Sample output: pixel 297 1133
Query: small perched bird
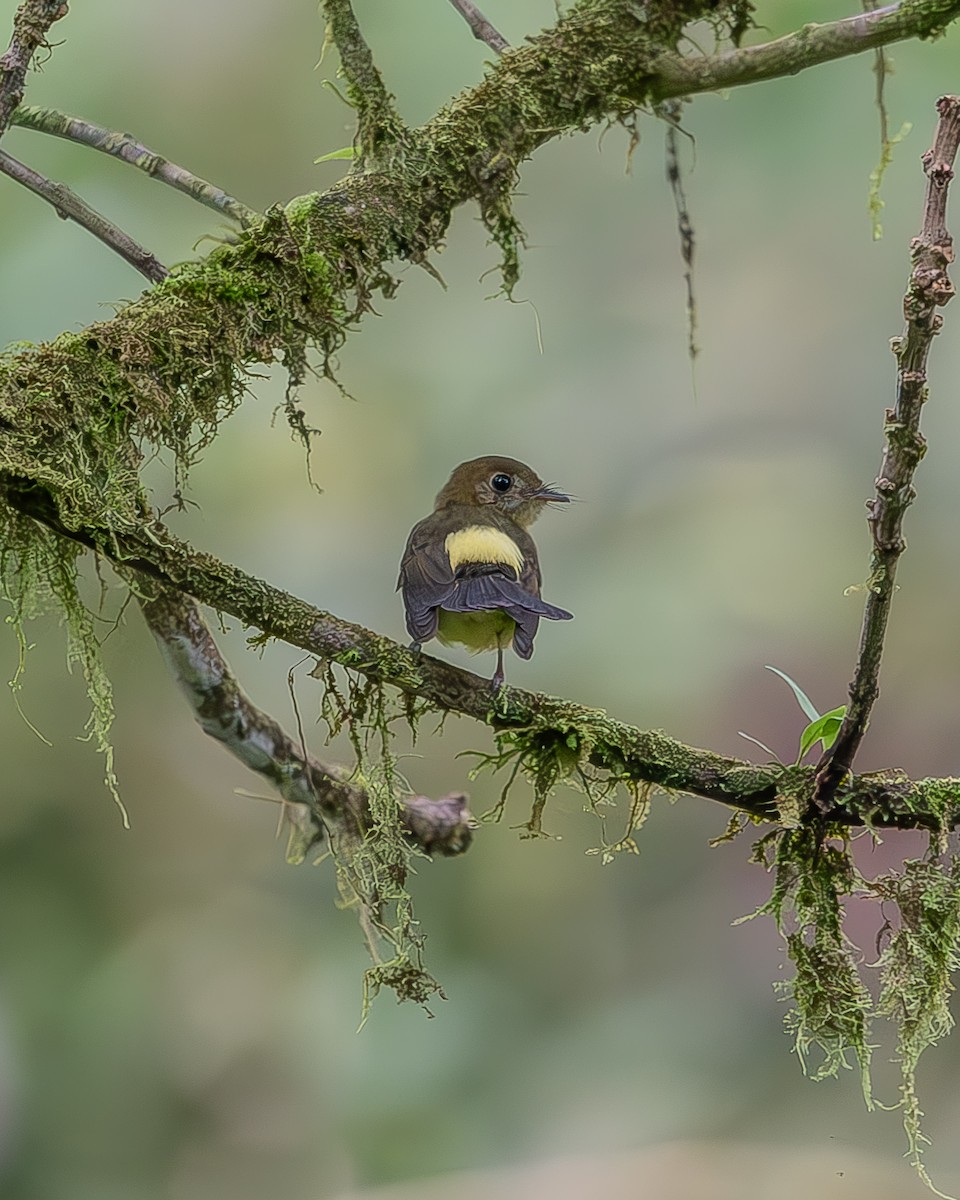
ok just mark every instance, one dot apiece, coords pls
pixel 470 572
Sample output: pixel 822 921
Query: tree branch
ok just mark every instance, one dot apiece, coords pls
pixel 379 123
pixel 543 725
pixel 170 365
pixel 483 31
pixel 129 150
pixel 322 800
pixel 69 206
pixel 927 288
pixel 811 46
pixel 31 23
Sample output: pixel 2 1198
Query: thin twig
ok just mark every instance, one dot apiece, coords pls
pixel 678 75
pixel 927 288
pixel 31 24
pixel 320 794
pixel 71 207
pixel 642 756
pixel 483 31
pixel 125 147
pixel 670 110
pixel 379 123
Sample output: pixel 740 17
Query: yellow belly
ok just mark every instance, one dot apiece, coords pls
pixel 476 630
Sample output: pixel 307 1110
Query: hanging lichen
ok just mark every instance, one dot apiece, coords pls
pixel 373 865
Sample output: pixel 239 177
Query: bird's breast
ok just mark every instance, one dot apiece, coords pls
pixel 482 544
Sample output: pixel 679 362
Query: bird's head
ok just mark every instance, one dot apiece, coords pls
pixel 506 484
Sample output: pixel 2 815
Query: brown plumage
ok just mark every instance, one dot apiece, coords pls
pixel 470 572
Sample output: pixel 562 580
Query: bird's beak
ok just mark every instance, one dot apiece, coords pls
pixel 549 494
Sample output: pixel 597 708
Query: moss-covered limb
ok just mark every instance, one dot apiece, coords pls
pixel 171 365
pixel 928 288
pixel 810 46
pixel 31 24
pixel 320 798
pixel 126 148
pixel 379 123
pixel 555 735
pixel 69 206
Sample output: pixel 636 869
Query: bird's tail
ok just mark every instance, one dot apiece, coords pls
pixel 483 592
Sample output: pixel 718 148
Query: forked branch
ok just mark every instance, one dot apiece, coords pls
pixel 31 24
pixel 321 801
pixel 928 288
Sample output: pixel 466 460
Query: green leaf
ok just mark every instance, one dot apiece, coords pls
pixel 802 698
pixel 346 152
pixel 823 729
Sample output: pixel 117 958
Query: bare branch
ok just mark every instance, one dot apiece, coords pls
pixel 129 150
pixel 31 24
pixel 927 288
pixel 321 796
pixel 70 207
pixel 483 31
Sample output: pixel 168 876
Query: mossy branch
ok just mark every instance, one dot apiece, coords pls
pixel 320 800
pixel 541 728
pixel 169 366
pixel 380 125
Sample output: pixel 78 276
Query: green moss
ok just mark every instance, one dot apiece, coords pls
pixel 39 575
pixel 916 967
pixel 372 868
pixel 830 1005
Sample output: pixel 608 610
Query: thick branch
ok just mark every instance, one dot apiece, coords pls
pixel 546 723
pixel 483 31
pixel 129 150
pixel 70 207
pixel 31 23
pixel 300 275
pixel 927 288
pixel 321 795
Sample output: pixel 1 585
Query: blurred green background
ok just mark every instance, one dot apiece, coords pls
pixel 178 1008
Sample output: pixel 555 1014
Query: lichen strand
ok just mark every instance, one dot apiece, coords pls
pixel 915 969
pixel 372 870
pixel 832 1008
pixel 39 575
pixel 831 1005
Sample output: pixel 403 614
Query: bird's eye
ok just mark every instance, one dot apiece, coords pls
pixel 501 483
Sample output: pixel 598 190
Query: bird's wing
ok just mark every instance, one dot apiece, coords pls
pixel 429 583
pixel 426 581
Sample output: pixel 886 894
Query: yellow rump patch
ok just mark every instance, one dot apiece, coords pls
pixel 482 544
pixel 476 630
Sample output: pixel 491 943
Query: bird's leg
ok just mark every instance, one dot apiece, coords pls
pixel 415 647
pixel 497 681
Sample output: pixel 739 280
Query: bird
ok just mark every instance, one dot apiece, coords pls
pixel 470 572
